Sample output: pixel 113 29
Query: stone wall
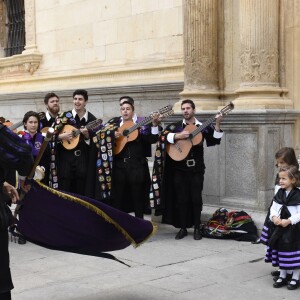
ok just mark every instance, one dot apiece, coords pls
pixel 103 102
pixel 95 44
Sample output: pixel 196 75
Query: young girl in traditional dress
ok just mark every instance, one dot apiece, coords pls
pixel 284 157
pixel 282 232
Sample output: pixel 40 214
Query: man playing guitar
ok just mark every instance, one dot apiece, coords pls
pixel 130 178
pixel 73 164
pixel 182 184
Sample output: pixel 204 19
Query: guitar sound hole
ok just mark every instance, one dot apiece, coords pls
pixel 126 132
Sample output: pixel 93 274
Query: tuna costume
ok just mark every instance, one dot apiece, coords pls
pixel 74 223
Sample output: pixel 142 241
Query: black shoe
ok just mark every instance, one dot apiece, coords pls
pixel 288 276
pixel 282 282
pixel 197 234
pixel 293 286
pixel 181 234
pixel 21 240
pixel 275 273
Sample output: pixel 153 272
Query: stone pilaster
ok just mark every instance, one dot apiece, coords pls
pixel 259 37
pixel 31 46
pixel 200 53
pixel 2 28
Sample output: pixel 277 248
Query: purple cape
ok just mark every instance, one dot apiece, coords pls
pixel 73 223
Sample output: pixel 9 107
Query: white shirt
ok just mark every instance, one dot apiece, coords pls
pixel 48 116
pixel 294 211
pixel 85 116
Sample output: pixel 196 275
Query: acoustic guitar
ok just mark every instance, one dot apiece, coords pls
pixel 181 148
pixel 129 129
pixel 69 145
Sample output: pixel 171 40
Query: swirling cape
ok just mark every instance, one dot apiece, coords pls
pixel 73 223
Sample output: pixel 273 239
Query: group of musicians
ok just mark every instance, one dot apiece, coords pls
pixel 108 162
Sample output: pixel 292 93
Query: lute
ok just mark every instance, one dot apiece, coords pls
pixel 69 145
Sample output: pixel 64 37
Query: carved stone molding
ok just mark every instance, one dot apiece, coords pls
pixel 257 68
pixel 31 67
pixel 108 77
pixel 259 56
pixel 259 23
pixel 20 64
pixel 201 74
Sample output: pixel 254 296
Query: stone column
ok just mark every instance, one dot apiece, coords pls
pixel 30 29
pixel 200 53
pixel 2 28
pixel 259 36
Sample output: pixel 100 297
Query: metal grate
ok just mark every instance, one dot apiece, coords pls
pixel 15 27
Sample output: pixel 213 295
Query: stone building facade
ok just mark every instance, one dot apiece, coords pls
pixel 161 51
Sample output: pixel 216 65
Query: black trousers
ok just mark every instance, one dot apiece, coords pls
pixel 188 188
pixel 72 170
pixel 130 185
pixel 5 277
pixel 5 296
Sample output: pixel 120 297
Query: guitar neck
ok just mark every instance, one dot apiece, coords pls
pixel 204 125
pixel 16 125
pixel 87 126
pixel 20 123
pixel 92 124
pixel 146 121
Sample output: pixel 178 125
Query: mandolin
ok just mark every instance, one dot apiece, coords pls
pixel 181 148
pixel 129 129
pixel 69 145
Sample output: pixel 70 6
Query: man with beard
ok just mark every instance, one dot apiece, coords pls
pixel 51 101
pixel 180 195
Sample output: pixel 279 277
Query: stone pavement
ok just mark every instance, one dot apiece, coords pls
pixel 161 268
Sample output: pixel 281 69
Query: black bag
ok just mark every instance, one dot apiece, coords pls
pixel 6 217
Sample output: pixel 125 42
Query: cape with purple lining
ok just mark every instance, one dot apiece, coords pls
pixel 73 223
